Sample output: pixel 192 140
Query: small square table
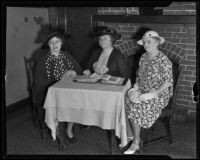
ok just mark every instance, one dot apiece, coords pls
pixel 93 104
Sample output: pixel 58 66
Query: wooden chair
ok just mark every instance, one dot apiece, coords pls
pixel 36 112
pixel 30 65
pixel 166 115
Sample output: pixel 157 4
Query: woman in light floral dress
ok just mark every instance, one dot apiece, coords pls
pixel 152 90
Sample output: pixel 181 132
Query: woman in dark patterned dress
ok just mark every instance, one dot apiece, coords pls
pixel 50 68
pixel 152 90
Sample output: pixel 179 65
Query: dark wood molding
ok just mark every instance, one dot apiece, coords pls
pixel 164 19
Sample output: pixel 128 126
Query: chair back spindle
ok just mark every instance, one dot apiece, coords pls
pixel 30 66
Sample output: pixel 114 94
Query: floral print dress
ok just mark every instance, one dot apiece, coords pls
pixel 152 74
pixel 49 69
pixel 57 66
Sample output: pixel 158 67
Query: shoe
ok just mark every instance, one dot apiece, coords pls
pixel 45 135
pixel 133 148
pixel 62 143
pixel 83 127
pixel 71 140
pixel 129 139
pixel 43 131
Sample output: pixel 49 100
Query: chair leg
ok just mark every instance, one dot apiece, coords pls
pixel 141 146
pixel 43 127
pixel 42 130
pixel 35 117
pixel 112 139
pixel 153 128
pixel 141 140
pixel 168 129
pixel 60 134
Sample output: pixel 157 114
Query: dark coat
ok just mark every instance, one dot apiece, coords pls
pixel 117 64
pixel 41 82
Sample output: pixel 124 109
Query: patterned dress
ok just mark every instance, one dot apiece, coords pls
pixel 49 69
pixel 57 66
pixel 152 74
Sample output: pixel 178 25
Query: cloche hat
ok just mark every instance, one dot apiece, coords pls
pixel 151 34
pixel 103 30
pixel 96 30
pixel 55 33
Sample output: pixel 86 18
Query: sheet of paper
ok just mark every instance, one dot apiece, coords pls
pixel 113 80
pixel 95 76
pixel 84 78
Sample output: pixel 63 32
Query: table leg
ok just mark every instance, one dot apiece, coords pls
pixel 113 142
pixel 60 135
pixel 112 139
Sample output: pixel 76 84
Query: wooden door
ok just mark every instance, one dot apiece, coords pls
pixel 78 22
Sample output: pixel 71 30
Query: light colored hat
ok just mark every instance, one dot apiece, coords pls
pixel 150 34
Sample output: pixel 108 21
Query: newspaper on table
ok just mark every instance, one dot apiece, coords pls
pixel 94 78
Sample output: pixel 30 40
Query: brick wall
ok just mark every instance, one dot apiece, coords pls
pixel 183 35
pixel 175 8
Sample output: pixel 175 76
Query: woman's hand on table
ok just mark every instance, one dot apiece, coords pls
pixel 69 73
pixel 87 72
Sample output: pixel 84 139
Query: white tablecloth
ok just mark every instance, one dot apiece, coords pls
pixel 89 104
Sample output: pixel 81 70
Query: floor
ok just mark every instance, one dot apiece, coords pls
pixel 24 139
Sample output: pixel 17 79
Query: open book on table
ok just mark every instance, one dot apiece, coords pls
pixel 107 79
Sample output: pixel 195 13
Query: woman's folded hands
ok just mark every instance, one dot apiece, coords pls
pixel 148 96
pixel 136 97
pixel 134 94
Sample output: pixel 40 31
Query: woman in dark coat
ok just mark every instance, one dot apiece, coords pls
pixel 107 59
pixel 50 68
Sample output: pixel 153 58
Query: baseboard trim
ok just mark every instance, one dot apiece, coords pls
pixel 191 115
pixel 183 115
pixel 17 106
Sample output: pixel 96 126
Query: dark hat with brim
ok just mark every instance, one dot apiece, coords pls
pixel 96 30
pixel 103 30
pixel 57 34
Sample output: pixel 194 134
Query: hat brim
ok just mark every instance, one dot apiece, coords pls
pixel 64 37
pixel 116 36
pixel 96 30
pixel 140 42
